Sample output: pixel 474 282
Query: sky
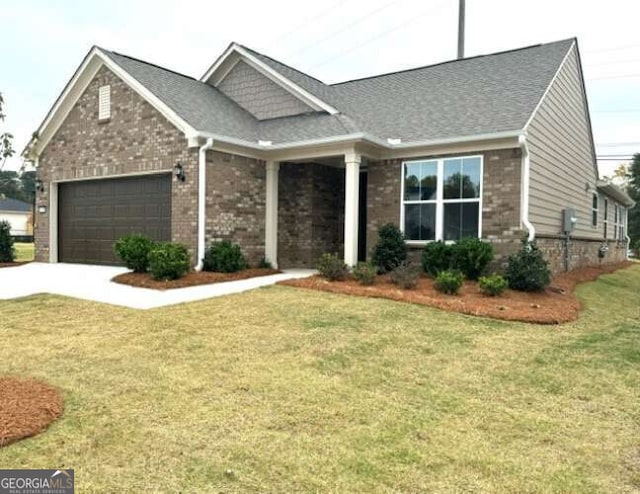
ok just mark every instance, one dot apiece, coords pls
pixel 43 42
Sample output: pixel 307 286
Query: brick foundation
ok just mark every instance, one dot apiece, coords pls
pixel 582 252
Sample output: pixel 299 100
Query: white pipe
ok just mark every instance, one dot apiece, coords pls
pixel 202 191
pixel 526 166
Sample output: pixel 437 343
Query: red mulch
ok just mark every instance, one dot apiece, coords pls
pixel 557 304
pixel 27 407
pixel 12 264
pixel 193 278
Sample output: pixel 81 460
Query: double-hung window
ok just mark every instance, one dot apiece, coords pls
pixel 615 222
pixel 442 198
pixel 605 221
pixel 594 209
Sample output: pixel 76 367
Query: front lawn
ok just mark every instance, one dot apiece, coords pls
pixel 288 390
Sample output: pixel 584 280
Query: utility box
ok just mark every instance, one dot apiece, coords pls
pixel 569 220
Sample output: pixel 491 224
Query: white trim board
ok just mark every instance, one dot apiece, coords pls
pixel 77 85
pixel 225 64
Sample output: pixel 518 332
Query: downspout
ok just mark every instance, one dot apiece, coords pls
pixel 526 168
pixel 202 202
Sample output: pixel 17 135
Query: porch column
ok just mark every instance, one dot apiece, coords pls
pixel 351 198
pixel 271 214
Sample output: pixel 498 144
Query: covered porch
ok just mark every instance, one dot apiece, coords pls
pixel 316 205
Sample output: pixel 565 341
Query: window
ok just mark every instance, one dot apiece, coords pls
pixel 621 224
pixel 442 199
pixel 615 221
pixel 594 210
pixel 104 103
pixel 606 217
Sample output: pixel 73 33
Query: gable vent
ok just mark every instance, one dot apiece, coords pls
pixel 104 103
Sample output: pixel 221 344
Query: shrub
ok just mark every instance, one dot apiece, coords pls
pixel 133 250
pixel 224 257
pixel 436 257
pixel 471 256
pixel 449 281
pixel 365 273
pixel 168 261
pixel 264 264
pixel 332 267
pixel 492 285
pixel 391 249
pixel 527 270
pixel 405 276
pixel 7 250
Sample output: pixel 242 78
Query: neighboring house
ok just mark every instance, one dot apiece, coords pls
pixel 19 214
pixel 494 146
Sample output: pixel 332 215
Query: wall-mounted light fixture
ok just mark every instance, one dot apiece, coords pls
pixel 178 171
pixel 39 185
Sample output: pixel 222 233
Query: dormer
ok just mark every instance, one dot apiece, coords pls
pixel 259 88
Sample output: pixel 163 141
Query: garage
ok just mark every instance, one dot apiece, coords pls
pixel 93 214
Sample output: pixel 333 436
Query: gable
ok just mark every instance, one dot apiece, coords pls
pixel 259 95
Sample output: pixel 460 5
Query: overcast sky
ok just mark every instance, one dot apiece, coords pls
pixel 43 42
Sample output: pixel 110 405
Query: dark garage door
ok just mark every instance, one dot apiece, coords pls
pixel 93 214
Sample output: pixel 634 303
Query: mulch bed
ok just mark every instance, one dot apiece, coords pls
pixel 193 278
pixel 557 304
pixel 27 407
pixel 12 264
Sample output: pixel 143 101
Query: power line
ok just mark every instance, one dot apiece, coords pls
pixel 382 34
pixel 616 111
pixel 616 144
pixel 308 21
pixel 624 76
pixel 343 28
pixel 613 48
pixel 613 62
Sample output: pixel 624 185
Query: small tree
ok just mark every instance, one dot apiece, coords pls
pixel 391 249
pixel 6 139
pixel 7 250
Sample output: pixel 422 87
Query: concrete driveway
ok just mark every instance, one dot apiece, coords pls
pixel 94 283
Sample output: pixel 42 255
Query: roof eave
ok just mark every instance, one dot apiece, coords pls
pixel 615 192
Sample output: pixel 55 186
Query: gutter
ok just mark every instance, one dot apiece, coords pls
pixel 202 190
pixel 524 192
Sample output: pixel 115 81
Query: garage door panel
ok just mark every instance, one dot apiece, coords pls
pixel 92 215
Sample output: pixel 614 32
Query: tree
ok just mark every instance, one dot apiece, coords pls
pixel 6 139
pixel 633 189
pixel 19 186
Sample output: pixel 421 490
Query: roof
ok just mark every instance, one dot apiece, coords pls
pixel 14 205
pixel 615 192
pixel 472 96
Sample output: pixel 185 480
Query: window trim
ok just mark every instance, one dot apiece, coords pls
pixel 104 103
pixel 605 221
pixel 440 201
pixel 595 211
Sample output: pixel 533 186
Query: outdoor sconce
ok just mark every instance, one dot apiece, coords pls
pixel 178 171
pixel 39 185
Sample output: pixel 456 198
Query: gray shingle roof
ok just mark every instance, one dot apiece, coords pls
pixel 8 204
pixel 473 96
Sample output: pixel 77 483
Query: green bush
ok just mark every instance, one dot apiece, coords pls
pixel 133 250
pixel 492 285
pixel 168 261
pixel 365 273
pixel 449 281
pixel 332 267
pixel 391 249
pixel 405 276
pixel 224 257
pixel 527 270
pixel 7 250
pixel 264 264
pixel 471 256
pixel 436 257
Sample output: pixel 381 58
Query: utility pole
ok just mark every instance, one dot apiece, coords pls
pixel 461 29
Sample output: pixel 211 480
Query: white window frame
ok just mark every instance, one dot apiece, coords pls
pixel 104 102
pixel 440 201
pixel 595 210
pixel 605 221
pixel 616 221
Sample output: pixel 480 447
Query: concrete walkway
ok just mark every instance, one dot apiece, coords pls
pixel 94 283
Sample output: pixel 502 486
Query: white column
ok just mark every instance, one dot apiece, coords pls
pixel 351 199
pixel 271 217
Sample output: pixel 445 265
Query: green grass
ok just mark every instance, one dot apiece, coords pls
pixel 300 391
pixel 24 252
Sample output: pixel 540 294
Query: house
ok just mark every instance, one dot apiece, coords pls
pixel 497 146
pixel 19 214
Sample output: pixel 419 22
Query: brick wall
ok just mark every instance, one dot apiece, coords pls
pixel 136 139
pixel 236 188
pixel 310 213
pixel 582 252
pixel 500 204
